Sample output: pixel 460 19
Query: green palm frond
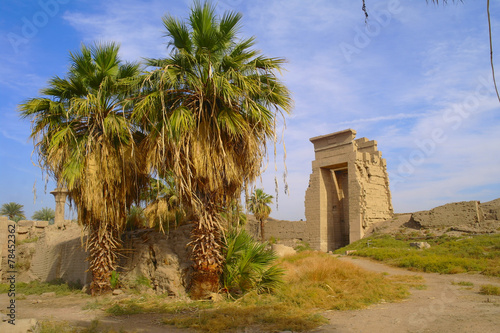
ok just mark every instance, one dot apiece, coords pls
pixel 45 214
pixel 13 211
pixel 249 265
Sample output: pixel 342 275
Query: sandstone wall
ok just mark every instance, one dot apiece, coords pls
pixel 60 254
pixel 5 225
pixel 287 232
pixel 452 214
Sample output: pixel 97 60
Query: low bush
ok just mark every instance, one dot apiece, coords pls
pixel 249 265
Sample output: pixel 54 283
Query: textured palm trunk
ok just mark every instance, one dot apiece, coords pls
pixel 207 257
pixel 103 249
pixel 262 237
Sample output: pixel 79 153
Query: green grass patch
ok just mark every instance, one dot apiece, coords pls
pixel 449 255
pixel 489 289
pixel 28 240
pixel 37 288
pixel 463 284
pixel 314 283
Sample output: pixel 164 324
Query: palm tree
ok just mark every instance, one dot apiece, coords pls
pixel 85 140
pixel 163 205
pixel 45 214
pixel 258 204
pixel 13 211
pixel 208 110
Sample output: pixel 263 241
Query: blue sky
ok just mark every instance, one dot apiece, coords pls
pixel 417 79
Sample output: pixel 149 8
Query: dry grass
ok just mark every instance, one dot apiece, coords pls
pixel 489 289
pixel 314 282
pixel 63 327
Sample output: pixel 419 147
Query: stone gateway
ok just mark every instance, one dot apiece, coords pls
pixel 348 190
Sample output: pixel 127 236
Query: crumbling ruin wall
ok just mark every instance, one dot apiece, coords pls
pixel 452 214
pixel 289 233
pixel 162 259
pixel 348 190
pixel 373 179
pixel 60 254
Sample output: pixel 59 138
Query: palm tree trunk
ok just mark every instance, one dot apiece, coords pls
pixel 262 230
pixel 103 246
pixel 206 255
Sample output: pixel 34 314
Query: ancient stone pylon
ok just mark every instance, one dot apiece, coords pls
pixel 60 194
pixel 348 190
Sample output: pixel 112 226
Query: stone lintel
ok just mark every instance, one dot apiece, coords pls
pixel 333 139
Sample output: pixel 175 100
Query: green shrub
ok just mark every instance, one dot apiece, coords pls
pixel 115 280
pixel 249 265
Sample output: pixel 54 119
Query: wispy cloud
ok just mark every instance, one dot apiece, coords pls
pixel 18 139
pixel 137 26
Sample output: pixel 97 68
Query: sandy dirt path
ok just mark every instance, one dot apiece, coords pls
pixel 442 307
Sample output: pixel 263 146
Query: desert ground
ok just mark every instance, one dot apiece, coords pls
pixel 444 306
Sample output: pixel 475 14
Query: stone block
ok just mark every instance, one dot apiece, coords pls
pixel 22 230
pixel 420 245
pixel 41 224
pixel 25 223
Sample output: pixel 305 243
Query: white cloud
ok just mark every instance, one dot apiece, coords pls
pixel 137 26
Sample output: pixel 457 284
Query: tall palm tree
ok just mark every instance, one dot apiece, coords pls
pixel 13 211
pixel 44 214
pixel 258 204
pixel 208 110
pixel 85 140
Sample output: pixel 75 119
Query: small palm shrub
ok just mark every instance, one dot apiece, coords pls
pixel 249 265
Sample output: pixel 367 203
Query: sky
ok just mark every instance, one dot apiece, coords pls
pixel 416 78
